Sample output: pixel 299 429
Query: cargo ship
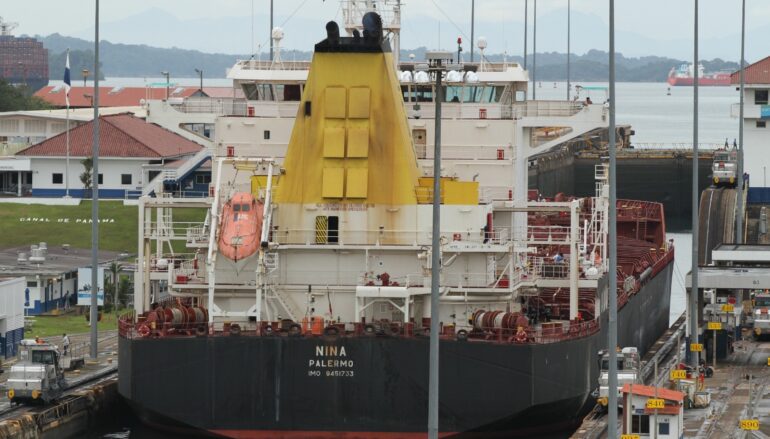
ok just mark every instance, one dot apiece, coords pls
pixel 683 76
pixel 23 60
pixel 320 328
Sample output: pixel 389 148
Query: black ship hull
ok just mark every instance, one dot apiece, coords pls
pixel 358 387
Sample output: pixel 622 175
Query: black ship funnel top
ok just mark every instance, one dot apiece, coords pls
pixel 332 33
pixel 372 26
pixel 372 41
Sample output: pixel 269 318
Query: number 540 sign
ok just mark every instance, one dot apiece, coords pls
pixel 749 424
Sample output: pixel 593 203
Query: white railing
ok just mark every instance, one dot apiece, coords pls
pixel 488 194
pixel 546 109
pixel 676 145
pixel 386 236
pixel 750 111
pixel 451 110
pixel 253 64
pixel 548 234
pixel 218 106
pixel 192 162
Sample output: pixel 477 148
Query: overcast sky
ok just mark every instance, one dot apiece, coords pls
pixel 656 19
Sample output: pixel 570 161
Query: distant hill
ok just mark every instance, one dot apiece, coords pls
pixel 130 60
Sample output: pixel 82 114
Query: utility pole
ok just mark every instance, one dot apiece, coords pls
pixel 739 174
pixel 95 201
pixel 612 332
pixel 168 84
pixel 271 30
pixel 695 356
pixel 534 50
pixel 437 65
pixel 526 20
pixel 200 73
pixel 569 17
pixel 473 23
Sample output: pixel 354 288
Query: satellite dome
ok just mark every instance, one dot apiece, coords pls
pixel 277 33
pixel 481 43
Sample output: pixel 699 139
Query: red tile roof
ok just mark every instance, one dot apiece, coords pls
pixel 757 73
pixel 649 391
pixel 121 135
pixel 125 96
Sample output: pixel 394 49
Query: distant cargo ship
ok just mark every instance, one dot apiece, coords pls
pixel 683 75
pixel 23 60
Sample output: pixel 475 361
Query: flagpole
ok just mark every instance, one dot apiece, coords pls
pixel 67 98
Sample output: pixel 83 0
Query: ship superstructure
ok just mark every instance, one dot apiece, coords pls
pixel 322 330
pixel 684 74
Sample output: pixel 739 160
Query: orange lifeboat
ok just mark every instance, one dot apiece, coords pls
pixel 241 226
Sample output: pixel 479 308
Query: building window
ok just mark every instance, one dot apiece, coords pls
pixel 663 428
pixel 202 178
pixel 32 283
pixel 101 179
pixel 58 178
pixel 267 134
pixel 640 424
pixel 125 178
pixel 761 124
pixel 760 97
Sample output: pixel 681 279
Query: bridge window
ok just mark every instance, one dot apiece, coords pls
pixel 761 124
pixel 57 178
pixel 245 208
pixel 125 178
pixel 237 208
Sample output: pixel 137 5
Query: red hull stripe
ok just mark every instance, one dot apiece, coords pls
pixel 273 434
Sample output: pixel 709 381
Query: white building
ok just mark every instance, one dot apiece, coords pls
pixel 11 314
pixel 132 152
pixel 756 115
pixel 640 420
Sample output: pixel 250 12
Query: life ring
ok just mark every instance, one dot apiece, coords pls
pixel 235 330
pixel 462 335
pixel 370 330
pixel 331 331
pixel 143 330
pixel 520 337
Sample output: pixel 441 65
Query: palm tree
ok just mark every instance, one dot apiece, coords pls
pixel 115 268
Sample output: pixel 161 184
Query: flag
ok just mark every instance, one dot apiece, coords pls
pixel 67 83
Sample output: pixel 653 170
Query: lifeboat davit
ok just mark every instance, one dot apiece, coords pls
pixel 241 226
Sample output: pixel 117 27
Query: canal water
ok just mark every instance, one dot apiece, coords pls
pixel 657 118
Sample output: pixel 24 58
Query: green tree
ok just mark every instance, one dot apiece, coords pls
pixel 14 99
pixel 115 269
pixel 87 176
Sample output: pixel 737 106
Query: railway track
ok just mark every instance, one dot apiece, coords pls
pixel 107 343
pixel 664 352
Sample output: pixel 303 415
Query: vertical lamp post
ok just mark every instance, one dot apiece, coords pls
pixel 95 200
pixel 612 330
pixel 695 357
pixel 526 21
pixel 200 73
pixel 437 65
pixel 168 84
pixel 85 73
